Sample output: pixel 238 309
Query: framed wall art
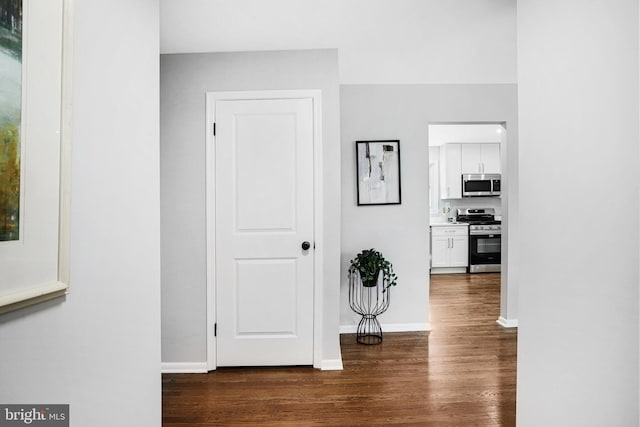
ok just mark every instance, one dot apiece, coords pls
pixel 34 150
pixel 378 169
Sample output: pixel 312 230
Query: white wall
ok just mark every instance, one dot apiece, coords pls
pixel 400 232
pixel 378 41
pixel 578 314
pixel 185 79
pixel 98 349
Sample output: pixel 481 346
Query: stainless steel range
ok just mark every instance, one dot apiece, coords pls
pixel 485 236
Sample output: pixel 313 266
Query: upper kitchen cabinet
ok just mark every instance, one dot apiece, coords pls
pixel 450 171
pixel 480 158
pixel 457 159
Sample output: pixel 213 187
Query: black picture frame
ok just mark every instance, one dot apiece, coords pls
pixel 378 172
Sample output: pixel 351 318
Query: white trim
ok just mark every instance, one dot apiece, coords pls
pixel 331 365
pixel 318 224
pixel 210 207
pixel 211 98
pixel 184 368
pixel 448 270
pixel 507 323
pixel 66 131
pixel 391 327
pixel 16 300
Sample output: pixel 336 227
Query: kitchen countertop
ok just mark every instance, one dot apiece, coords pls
pixel 449 224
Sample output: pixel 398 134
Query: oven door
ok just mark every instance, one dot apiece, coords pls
pixel 484 253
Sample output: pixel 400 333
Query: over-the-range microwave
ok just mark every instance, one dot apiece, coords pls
pixel 481 185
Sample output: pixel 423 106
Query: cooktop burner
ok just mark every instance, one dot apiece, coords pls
pixel 484 216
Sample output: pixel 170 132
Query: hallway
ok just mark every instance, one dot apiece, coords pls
pixel 461 373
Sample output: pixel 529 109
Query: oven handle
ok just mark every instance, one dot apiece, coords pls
pixel 484 233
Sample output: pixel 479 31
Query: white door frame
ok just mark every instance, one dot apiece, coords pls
pixel 211 98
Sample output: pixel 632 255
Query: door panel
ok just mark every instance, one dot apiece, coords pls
pixel 471 158
pixel 255 315
pixel 491 158
pixel 264 211
pixel 265 172
pixel 440 252
pixel 459 251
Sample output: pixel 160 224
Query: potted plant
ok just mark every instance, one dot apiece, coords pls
pixel 369 263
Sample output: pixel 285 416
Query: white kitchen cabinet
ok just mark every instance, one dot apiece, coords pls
pixel 440 251
pixel 471 158
pixel 449 246
pixel 480 158
pixel 459 252
pixel 450 171
pixel 491 158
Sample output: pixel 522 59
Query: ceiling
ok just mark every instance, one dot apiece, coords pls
pixel 378 41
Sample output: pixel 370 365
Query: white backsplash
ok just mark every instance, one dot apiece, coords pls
pixel 448 208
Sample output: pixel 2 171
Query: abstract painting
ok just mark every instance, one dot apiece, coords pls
pixel 378 164
pixel 10 117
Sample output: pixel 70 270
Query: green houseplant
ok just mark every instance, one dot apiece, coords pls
pixel 368 264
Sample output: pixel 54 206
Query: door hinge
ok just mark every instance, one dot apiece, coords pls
pixel 214 129
pixel 215 329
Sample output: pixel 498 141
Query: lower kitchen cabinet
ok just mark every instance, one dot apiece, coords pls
pixel 449 246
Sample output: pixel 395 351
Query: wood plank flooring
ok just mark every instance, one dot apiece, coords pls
pixel 462 373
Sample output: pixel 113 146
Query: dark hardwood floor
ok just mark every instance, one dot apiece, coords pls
pixel 462 373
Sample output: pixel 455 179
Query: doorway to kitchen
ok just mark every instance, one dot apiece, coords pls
pixel 468 202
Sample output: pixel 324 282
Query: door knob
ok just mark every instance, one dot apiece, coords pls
pixel 306 246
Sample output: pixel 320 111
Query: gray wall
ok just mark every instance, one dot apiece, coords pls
pixel 578 103
pixel 98 349
pixel 184 80
pixel 400 232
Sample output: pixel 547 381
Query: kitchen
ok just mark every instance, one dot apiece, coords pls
pixel 465 203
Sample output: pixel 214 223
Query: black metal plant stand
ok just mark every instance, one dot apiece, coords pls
pixel 369 302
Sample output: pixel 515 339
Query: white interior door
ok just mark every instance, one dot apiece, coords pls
pixel 264 212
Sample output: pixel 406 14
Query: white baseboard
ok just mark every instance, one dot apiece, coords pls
pixel 448 270
pixel 331 365
pixel 201 367
pixel 184 368
pixel 391 327
pixel 507 323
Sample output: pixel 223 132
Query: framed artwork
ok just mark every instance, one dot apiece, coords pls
pixel 378 168
pixel 10 117
pixel 34 150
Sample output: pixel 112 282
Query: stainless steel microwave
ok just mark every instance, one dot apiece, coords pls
pixel 481 185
